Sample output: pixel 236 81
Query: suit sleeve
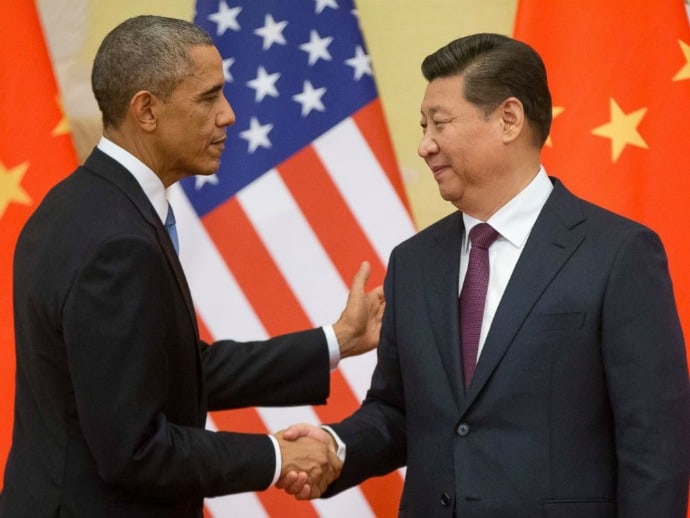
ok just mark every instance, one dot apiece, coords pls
pixel 292 369
pixel 119 332
pixel 646 370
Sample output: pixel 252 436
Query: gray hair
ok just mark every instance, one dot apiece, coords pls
pixel 142 53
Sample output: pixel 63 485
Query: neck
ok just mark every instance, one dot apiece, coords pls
pixel 137 145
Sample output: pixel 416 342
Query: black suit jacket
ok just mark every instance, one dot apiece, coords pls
pixel 579 404
pixel 113 383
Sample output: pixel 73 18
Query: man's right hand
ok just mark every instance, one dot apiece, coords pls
pixel 310 464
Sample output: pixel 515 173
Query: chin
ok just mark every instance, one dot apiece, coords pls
pixel 210 169
pixel 446 194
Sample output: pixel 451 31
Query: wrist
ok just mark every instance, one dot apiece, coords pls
pixel 344 336
pixel 337 444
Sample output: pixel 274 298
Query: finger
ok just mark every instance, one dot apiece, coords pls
pixel 305 493
pixel 287 480
pixel 319 487
pixel 298 485
pixel 296 431
pixel 380 310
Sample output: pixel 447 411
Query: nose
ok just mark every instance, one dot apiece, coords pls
pixel 427 146
pixel 226 116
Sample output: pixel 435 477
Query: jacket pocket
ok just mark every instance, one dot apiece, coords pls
pixel 554 322
pixel 579 509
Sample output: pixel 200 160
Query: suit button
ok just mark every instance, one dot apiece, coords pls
pixel 463 430
pixel 445 499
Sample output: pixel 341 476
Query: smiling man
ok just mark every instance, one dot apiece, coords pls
pixel 113 383
pixel 531 359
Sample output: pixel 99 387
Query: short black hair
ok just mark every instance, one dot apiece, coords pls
pixel 495 67
pixel 142 53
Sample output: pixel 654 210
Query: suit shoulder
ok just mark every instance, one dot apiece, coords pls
pixel 449 224
pixel 612 223
pixel 574 210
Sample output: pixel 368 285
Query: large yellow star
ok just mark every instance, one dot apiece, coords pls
pixel 684 73
pixel 63 126
pixel 622 130
pixel 10 186
pixel 555 112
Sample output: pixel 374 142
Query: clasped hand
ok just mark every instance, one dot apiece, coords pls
pixel 310 462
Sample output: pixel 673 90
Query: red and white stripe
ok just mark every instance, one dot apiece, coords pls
pixel 279 257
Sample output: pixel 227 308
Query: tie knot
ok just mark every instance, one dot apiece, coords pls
pixel 483 235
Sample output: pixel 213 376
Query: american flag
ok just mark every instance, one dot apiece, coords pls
pixel 308 188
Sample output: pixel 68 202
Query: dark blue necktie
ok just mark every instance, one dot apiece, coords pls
pixel 170 227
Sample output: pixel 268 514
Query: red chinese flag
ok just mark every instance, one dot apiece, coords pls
pixel 619 73
pixel 35 152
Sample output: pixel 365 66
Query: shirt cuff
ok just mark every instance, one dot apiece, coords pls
pixel 342 449
pixel 333 347
pixel 279 460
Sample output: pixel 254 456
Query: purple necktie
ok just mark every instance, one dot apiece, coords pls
pixel 473 296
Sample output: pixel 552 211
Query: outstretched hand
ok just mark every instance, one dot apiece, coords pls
pixel 359 327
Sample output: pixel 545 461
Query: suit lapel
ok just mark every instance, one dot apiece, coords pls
pixel 441 271
pixel 112 171
pixel 554 238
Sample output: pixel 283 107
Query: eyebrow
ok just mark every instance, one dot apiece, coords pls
pixel 214 89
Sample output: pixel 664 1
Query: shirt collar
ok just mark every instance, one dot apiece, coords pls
pixel 515 219
pixel 149 181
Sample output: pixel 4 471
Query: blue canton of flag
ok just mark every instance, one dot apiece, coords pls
pixel 293 70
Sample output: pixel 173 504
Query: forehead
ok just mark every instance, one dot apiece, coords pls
pixel 206 71
pixel 443 94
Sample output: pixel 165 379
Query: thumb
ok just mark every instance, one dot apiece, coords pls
pixel 361 277
pixel 296 431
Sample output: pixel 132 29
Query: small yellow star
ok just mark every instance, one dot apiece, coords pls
pixel 684 73
pixel 10 186
pixel 622 130
pixel 63 126
pixel 555 112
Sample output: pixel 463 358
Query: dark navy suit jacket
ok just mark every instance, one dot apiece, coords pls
pixel 579 405
pixel 113 383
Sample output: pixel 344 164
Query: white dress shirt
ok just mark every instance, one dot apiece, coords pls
pixel 513 222
pixel 155 191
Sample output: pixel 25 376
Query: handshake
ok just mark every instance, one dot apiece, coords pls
pixel 310 462
pixel 309 459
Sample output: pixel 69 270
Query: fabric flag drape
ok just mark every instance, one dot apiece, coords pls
pixel 619 73
pixel 308 188
pixel 35 152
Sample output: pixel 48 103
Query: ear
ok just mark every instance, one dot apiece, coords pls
pixel 513 118
pixel 143 109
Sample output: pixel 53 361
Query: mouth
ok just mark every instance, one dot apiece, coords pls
pixel 438 169
pixel 218 144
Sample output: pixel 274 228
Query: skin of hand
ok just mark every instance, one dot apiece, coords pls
pixel 359 327
pixel 310 464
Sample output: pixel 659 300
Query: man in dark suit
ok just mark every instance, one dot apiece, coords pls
pixel 113 383
pixel 574 400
